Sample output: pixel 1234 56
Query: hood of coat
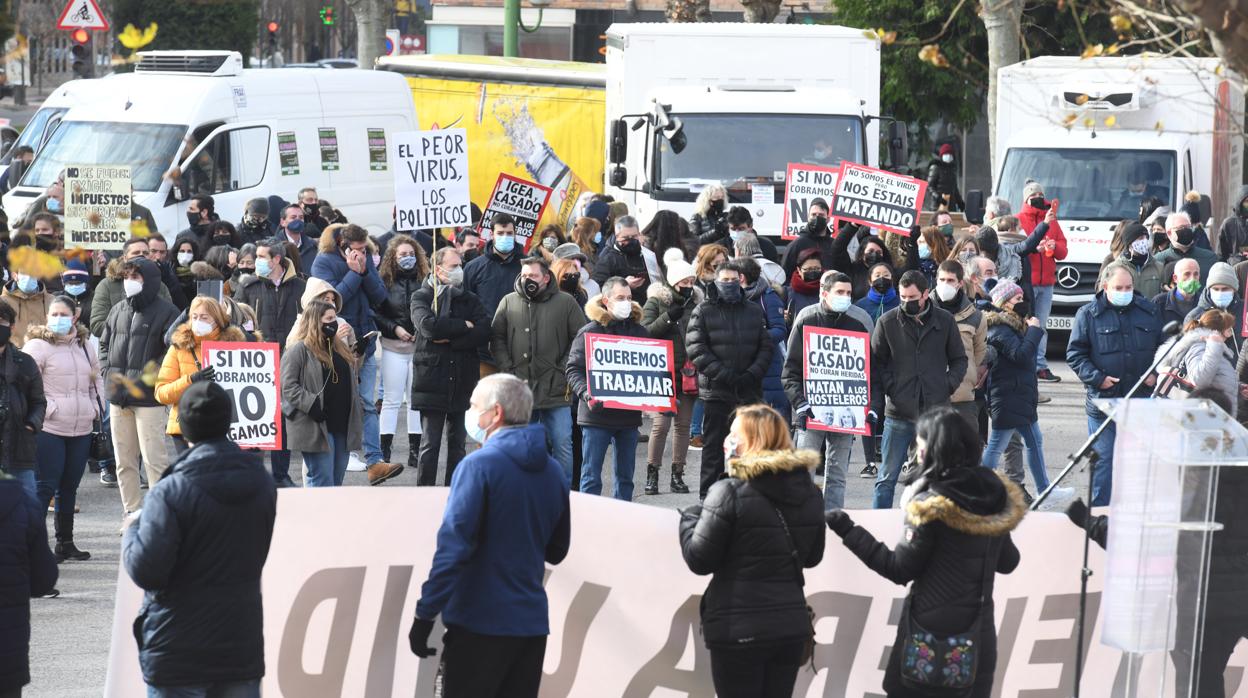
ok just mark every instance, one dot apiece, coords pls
pixel 972 500
pixel 315 288
pixel 781 476
pixel 524 446
pixel 184 338
pixel 1007 318
pixel 597 312
pixel 151 283
pixel 1239 199
pixel 223 471
pixel 542 296
pixel 82 336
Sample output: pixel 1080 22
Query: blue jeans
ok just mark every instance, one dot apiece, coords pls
pixel 1103 477
pixel 61 461
pixel 595 441
pixel 836 448
pixel 898 437
pixel 999 438
pixel 368 396
pixel 327 468
pixel 1042 307
pixel 228 689
pixel 695 426
pixel 557 421
pixel 26 476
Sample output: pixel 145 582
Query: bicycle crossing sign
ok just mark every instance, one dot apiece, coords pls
pixel 82 14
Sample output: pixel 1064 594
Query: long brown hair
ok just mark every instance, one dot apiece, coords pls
pixel 762 429
pixel 583 235
pixel 389 268
pixel 935 243
pixel 1212 319
pixel 308 331
pixel 560 267
pixel 706 256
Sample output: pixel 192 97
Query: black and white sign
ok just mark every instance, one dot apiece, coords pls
pixel 837 369
pixel 521 199
pixel 630 373
pixel 97 202
pixel 431 179
pixel 249 373
pixel 803 184
pixel 878 198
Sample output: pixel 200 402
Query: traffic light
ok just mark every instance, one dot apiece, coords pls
pixel 80 53
pixel 272 37
pixel 327 16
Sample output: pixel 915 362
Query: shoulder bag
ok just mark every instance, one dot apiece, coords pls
pixel 808 650
pixel 101 439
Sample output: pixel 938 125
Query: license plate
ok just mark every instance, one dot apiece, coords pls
pixel 1059 323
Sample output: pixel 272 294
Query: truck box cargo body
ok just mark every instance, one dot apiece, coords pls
pixel 748 98
pixel 1175 121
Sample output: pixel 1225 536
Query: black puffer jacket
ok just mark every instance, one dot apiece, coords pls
pixel 197 551
pixel 396 310
pixel 490 277
pixel 756 595
pixel 444 374
pixel 23 386
pixel 276 306
pixel 613 262
pixel 725 342
pixel 1013 392
pixel 601 322
pixel 27 570
pixel 133 337
pixel 708 228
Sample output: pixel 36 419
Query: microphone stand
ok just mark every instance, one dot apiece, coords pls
pixel 1086 451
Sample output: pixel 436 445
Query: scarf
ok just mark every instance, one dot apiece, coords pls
pixel 806 288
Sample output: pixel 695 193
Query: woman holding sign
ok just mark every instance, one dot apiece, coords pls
pixel 184 362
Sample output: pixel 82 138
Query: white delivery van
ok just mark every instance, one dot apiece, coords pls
pixel 232 133
pixel 732 103
pixel 1175 122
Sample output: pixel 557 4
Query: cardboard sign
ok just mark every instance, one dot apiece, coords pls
pixel 328 138
pixel 377 149
pixel 97 206
pixel 523 200
pixel 249 372
pixel 836 365
pixel 630 373
pixel 877 198
pixel 431 179
pixel 288 152
pixel 803 184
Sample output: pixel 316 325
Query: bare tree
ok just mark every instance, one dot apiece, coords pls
pixel 761 11
pixel 371 17
pixel 1002 20
pixel 688 10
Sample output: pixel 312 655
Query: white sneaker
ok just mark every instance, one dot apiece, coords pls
pixel 355 465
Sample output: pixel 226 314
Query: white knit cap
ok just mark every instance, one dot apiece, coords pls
pixel 678 270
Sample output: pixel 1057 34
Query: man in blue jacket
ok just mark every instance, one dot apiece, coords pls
pixel 1111 346
pixel 348 267
pixel 197 549
pixel 486 580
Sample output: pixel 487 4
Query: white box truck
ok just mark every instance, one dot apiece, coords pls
pixel 1176 122
pixel 732 103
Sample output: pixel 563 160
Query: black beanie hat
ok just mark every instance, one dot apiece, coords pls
pixel 205 412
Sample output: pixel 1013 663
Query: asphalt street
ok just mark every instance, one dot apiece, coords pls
pixel 71 634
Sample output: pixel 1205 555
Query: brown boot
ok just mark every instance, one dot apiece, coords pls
pixel 381 471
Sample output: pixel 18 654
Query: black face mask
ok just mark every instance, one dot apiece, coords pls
pixel 329 329
pixel 817 225
pixel 531 288
pixel 717 207
pixel 220 239
pixel 5 333
pixel 569 282
pixel 632 248
pixel 311 211
pixel 872 258
pixel 1160 241
pixel 912 308
pixel 470 255
pixel 882 285
pixel 1038 202
pixel 193 219
pixel 729 291
pixel 1022 309
pixel 812 275
pixel 685 292
pixel 1185 236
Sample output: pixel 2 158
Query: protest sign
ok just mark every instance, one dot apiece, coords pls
pixel 377 149
pixel 328 138
pixel 877 198
pixel 803 184
pixel 630 373
pixel 523 200
pixel 288 152
pixel 249 372
pixel 431 179
pixel 837 370
pixel 97 204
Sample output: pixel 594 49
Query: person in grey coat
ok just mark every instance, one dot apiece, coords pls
pixel 1204 357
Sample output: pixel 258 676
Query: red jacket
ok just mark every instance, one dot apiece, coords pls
pixel 1043 267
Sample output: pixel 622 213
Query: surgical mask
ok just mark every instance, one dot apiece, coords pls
pixel 53 205
pixel 472 426
pixel 201 328
pixel 61 324
pixel 504 243
pixel 407 263
pixel 729 291
pixel 946 158
pixel 550 243
pixel 75 289
pixel 295 226
pixel 925 252
pixel 132 287
pixel 839 304
pixel 946 292
pixel 455 277
pixel 1189 287
pixel 264 267
pixel 621 310
pixel 1221 298
pixel 912 307
pixel 735 234
pixel 598 238
pixel 1140 246
pixel 947 230
pixel 717 205
pixel 185 259
pixel 1119 299
pixel 27 284
pixel 376 260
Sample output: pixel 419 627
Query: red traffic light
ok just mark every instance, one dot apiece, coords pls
pixel 80 36
pixel 272 27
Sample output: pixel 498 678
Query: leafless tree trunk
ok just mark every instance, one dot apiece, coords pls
pixel 1227 26
pixel 1002 19
pixel 761 11
pixel 371 17
pixel 688 10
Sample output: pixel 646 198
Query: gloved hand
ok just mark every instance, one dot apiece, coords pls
pixel 1077 512
pixel 800 416
pixel 204 374
pixel 745 381
pixel 418 638
pixel 873 422
pixel 839 522
pixel 675 312
pixel 594 405
pixel 316 412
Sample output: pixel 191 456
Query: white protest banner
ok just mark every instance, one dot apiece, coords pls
pixel 630 373
pixel 803 184
pixel 837 371
pixel 623 607
pixel 250 372
pixel 521 199
pixel 431 179
pixel 97 206
pixel 878 198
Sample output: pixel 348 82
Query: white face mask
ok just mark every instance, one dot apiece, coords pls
pixel 945 292
pixel 946 158
pixel 472 426
pixel 201 328
pixel 132 287
pixel 185 259
pixel 621 310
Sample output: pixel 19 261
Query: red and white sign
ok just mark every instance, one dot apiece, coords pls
pixel 521 199
pixel 82 14
pixel 878 198
pixel 250 372
pixel 837 369
pixel 803 184
pixel 630 373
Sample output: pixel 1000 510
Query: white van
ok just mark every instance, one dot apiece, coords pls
pixel 232 133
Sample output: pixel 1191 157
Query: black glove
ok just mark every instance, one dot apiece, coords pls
pixel 675 312
pixel 745 381
pixel 721 225
pixel 800 417
pixel 316 412
pixel 1077 512
pixel 839 522
pixel 418 638
pixel 204 374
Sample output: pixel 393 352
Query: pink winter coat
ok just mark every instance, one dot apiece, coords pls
pixel 71 378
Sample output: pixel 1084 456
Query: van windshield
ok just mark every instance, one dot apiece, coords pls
pixel 1092 184
pixel 148 149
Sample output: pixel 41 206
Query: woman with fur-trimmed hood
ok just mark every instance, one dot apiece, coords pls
pixel 184 362
pixel 958 519
pixel 756 531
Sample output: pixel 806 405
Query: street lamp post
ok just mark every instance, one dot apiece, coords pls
pixel 512 24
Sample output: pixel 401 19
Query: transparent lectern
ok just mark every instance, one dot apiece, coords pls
pixel 1180 470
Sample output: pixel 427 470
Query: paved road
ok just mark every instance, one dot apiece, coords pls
pixel 71 633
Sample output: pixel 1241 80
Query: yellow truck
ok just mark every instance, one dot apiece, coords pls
pixel 535 119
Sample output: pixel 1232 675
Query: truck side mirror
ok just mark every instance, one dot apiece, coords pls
pixel 619 142
pixel 619 175
pixel 898 145
pixel 974 207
